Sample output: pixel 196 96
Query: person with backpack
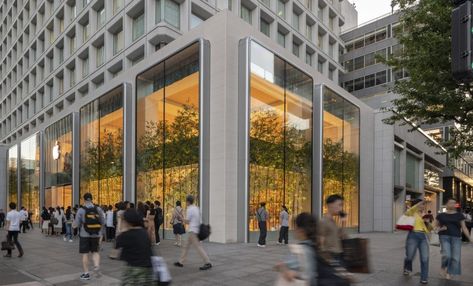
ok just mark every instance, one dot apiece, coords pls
pixel 193 219
pixel 262 216
pixel 284 221
pixel 158 220
pixel 90 220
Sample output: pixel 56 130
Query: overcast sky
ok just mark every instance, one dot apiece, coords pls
pixel 369 9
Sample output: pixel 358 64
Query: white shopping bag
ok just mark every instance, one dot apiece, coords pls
pixel 160 269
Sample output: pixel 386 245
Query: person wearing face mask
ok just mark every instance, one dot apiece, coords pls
pixel 417 240
pixel 329 233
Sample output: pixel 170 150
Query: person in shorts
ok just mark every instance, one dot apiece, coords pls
pixel 90 220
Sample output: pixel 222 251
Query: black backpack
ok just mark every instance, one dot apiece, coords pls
pixel 204 231
pixel 92 220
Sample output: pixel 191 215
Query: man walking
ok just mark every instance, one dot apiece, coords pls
pixel 14 220
pixel 262 216
pixel 330 235
pixel 193 219
pixel 158 220
pixel 90 220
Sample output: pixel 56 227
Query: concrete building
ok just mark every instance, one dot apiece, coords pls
pixel 141 100
pixel 369 80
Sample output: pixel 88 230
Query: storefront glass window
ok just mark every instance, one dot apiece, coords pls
pixel 280 137
pixel 58 163
pixel 412 172
pixel 167 129
pixel 30 152
pixel 101 148
pixel 12 175
pixel 397 167
pixel 341 168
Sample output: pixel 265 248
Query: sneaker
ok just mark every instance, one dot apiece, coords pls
pixel 175 243
pixel 65 239
pixel 206 266
pixel 261 245
pixel 406 272
pixel 158 243
pixel 278 243
pixel 85 276
pixel 7 255
pixel 178 264
pixel 70 240
pixel 424 282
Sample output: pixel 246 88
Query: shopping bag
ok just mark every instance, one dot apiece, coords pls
pixel 160 269
pixel 7 245
pixel 434 239
pixel 405 222
pixel 355 255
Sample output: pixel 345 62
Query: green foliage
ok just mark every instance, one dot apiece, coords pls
pixel 430 94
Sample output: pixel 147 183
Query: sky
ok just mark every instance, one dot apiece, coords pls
pixel 369 9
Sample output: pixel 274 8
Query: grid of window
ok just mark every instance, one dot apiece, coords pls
pixel 367 81
pixel 368 39
pixel 364 61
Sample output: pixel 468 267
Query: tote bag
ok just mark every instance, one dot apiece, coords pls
pixel 405 222
pixel 434 239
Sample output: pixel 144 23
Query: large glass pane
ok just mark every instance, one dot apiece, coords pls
pixel 30 152
pixel 12 175
pixel 341 153
pixel 412 172
pixel 138 26
pixel 101 142
pixel 280 137
pixel 167 156
pixel 172 13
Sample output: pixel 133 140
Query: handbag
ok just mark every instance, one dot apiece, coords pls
pixel 160 270
pixel 54 221
pixel 7 245
pixel 405 222
pixel 434 239
pixel 204 231
pixel 355 255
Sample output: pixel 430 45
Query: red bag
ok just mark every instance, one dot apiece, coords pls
pixel 406 222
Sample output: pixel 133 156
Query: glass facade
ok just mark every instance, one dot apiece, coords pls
pixel 280 153
pixel 30 153
pixel 12 175
pixel 101 148
pixel 58 163
pixel 341 150
pixel 167 131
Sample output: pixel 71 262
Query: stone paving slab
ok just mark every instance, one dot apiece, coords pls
pixel 51 261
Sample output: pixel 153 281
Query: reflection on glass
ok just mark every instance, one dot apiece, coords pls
pixel 12 175
pixel 58 155
pixel 167 155
pixel 58 196
pixel 101 148
pixel 341 135
pixel 280 137
pixel 30 152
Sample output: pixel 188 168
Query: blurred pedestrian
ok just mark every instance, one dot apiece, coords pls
pixel 193 219
pixel 135 251
pixel 58 215
pixel 284 230
pixel 2 218
pixel 90 220
pixel 151 214
pixel 301 265
pixel 158 220
pixel 417 240
pixel 14 219
pixel 330 234
pixel 45 217
pixel 262 217
pixel 69 218
pixel 450 225
pixel 177 222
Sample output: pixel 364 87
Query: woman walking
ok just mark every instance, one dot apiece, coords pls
pixel 45 217
pixel 150 225
pixel 58 215
pixel 450 225
pixel 177 222
pixel 417 240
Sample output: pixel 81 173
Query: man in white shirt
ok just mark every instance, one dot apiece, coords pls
pixel 193 219
pixel 24 219
pixel 14 220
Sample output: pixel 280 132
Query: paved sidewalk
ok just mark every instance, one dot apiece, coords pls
pixel 51 261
